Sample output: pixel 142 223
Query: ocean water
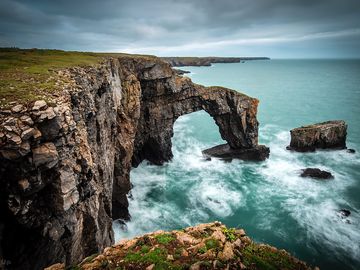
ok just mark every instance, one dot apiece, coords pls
pixel 268 199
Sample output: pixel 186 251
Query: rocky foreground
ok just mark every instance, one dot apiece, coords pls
pixel 206 246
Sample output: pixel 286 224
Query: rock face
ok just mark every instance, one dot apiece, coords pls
pixel 330 134
pixel 224 151
pixel 64 169
pixel 316 173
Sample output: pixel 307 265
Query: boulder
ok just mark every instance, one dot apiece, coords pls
pixel 316 173
pixel 224 151
pixel 18 108
pixel 39 105
pixel 344 213
pixel 330 134
pixel 227 253
pixel 27 120
pixel 45 155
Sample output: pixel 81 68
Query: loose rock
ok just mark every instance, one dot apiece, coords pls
pixel 39 105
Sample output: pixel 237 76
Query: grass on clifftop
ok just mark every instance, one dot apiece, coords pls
pixel 27 75
pixel 203 247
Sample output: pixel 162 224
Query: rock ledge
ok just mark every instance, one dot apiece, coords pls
pixel 224 151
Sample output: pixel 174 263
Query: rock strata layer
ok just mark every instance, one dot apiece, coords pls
pixel 65 165
pixel 330 134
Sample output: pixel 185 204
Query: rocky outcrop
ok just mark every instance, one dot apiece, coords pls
pixel 330 134
pixel 205 246
pixel 181 72
pixel 207 61
pixel 224 151
pixel 316 173
pixel 65 164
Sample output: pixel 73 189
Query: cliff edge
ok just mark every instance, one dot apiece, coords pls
pixel 71 127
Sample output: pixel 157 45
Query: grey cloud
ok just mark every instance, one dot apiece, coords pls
pixel 177 27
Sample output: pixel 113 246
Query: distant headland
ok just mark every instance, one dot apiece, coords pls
pixel 207 61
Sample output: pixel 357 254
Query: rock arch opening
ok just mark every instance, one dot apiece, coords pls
pixel 193 133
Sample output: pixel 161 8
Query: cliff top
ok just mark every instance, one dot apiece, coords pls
pixel 27 75
pixel 205 246
pixel 30 74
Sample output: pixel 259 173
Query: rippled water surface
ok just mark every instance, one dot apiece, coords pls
pixel 268 199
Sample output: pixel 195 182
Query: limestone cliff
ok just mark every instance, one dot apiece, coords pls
pixel 64 164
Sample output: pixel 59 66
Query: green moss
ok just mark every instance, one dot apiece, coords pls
pixel 206 264
pixel 202 250
pixel 164 238
pixel 89 259
pixel 73 267
pixel 104 264
pixel 267 259
pixel 211 243
pixel 155 256
pixel 178 253
pixel 145 249
pixel 230 234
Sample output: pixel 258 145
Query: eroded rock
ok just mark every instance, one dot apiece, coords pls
pixel 316 173
pixel 45 155
pixel 330 134
pixel 39 105
pixel 224 151
pixel 17 108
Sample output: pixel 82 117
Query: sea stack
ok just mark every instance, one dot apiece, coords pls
pixel 326 135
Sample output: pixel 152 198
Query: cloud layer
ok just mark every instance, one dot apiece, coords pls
pixel 275 28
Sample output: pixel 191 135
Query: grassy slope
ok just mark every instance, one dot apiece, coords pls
pixel 27 75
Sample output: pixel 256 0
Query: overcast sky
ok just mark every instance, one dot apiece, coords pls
pixel 274 28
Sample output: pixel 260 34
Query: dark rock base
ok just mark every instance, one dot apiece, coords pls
pixel 316 173
pixel 223 151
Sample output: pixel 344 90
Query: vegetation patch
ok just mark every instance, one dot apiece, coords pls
pixel 31 74
pixel 267 258
pixel 230 234
pixel 212 243
pixel 164 238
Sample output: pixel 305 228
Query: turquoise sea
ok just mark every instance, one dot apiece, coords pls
pixel 268 199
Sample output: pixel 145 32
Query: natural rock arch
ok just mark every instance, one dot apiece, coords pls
pixel 233 112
